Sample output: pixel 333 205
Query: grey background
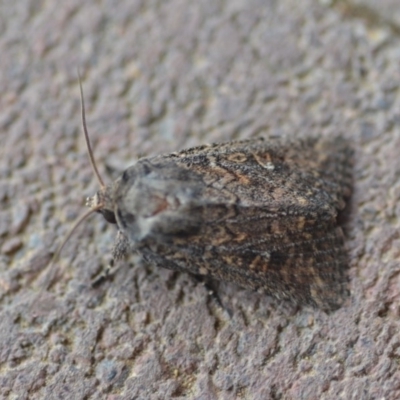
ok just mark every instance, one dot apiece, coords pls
pixel 159 76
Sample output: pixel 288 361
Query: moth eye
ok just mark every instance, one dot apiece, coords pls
pixel 109 216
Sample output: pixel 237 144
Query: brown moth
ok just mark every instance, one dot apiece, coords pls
pixel 262 213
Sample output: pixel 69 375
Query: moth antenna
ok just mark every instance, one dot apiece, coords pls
pixel 88 146
pixel 61 246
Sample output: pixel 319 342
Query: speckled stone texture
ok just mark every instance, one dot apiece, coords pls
pixel 159 76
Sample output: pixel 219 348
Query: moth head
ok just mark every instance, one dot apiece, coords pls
pixel 102 202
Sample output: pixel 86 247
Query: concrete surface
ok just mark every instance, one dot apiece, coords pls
pixel 159 76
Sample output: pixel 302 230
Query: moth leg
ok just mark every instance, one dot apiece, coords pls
pixel 120 249
pixel 209 285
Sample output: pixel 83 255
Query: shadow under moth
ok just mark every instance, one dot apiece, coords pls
pixel 262 213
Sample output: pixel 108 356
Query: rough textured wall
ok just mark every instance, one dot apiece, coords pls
pixel 159 76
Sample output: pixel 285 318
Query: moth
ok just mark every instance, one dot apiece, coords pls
pixel 262 213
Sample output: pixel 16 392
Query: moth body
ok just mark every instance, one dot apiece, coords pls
pixel 261 213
